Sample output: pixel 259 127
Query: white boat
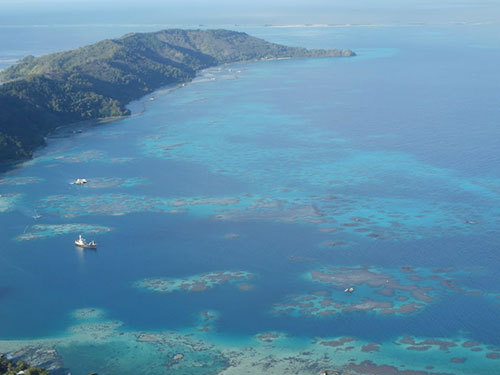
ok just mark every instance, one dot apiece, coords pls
pixel 81 242
pixel 79 181
pixel 36 216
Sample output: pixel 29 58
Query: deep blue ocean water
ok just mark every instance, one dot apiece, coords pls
pixel 400 142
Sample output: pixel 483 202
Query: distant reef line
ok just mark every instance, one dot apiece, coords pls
pixel 95 82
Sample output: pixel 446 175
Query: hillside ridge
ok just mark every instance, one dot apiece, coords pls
pixel 40 94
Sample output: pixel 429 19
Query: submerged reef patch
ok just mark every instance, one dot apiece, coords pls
pixel 271 337
pixel 8 201
pixel 384 291
pixel 196 283
pixel 335 216
pixel 424 345
pixel 369 368
pixel 341 214
pixel 89 314
pixel 70 157
pixel 43 231
pixel 98 344
pixel 16 181
pixel 207 320
pixel 301 172
pixel 86 156
pixel 114 182
pixel 120 204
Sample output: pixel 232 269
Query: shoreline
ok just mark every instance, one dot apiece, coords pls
pixel 34 101
pixel 10 165
pixel 68 130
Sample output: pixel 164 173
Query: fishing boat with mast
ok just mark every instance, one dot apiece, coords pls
pixel 81 242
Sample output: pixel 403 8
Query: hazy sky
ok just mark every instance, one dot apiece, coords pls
pixel 247 11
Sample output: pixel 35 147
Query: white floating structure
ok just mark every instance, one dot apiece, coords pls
pixel 79 181
pixel 81 242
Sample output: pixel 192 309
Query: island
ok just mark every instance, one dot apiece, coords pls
pixel 11 367
pixel 40 94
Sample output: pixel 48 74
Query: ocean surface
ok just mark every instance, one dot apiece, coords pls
pixel 232 213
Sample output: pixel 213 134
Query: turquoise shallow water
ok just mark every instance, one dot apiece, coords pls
pixel 258 193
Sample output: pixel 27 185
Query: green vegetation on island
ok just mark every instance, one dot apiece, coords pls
pixel 39 94
pixel 9 367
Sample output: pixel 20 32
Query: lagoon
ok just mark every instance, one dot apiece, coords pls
pixel 232 213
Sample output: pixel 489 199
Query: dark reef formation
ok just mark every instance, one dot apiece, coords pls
pixel 97 81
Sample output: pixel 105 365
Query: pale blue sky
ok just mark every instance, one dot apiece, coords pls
pixel 248 11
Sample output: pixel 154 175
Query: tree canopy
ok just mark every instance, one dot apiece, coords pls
pixel 39 94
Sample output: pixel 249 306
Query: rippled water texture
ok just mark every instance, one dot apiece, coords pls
pixel 273 217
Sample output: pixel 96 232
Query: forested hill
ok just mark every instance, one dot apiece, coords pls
pixel 97 81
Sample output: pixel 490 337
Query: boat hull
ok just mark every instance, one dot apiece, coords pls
pixel 85 246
